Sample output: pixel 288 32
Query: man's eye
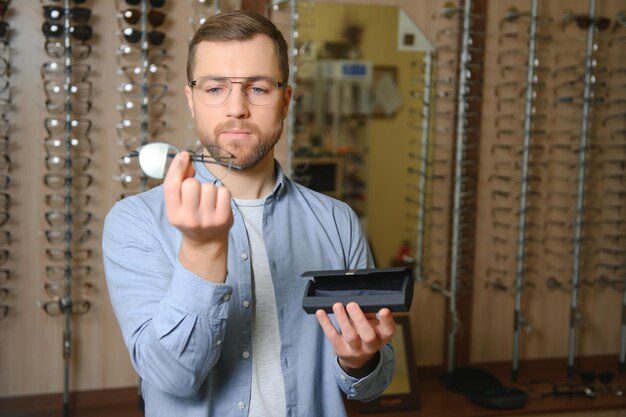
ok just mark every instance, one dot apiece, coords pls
pixel 214 90
pixel 256 90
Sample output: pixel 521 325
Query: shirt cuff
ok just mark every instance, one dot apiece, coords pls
pixel 199 296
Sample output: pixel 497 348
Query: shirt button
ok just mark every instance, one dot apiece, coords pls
pixel 246 303
pixel 245 354
pixel 241 405
pixel 226 297
pixel 244 256
pixel 219 342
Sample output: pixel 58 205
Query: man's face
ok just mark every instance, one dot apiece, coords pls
pixel 247 131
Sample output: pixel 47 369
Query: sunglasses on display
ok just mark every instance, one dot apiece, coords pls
pixel 133 16
pixel 76 14
pixel 4 5
pixel 133 35
pixel 153 3
pixel 78 32
pixel 584 22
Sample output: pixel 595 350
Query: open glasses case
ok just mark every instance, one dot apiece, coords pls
pixel 372 289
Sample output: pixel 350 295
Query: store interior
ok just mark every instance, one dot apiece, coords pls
pixel 481 143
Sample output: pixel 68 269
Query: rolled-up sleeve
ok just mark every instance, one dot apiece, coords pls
pixel 172 321
pixel 371 386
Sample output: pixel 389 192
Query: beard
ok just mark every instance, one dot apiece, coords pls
pixel 246 155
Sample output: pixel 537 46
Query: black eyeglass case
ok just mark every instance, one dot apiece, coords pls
pixel 372 289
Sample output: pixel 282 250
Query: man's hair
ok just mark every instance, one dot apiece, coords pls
pixel 238 25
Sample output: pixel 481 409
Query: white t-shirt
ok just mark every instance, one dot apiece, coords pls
pixel 268 388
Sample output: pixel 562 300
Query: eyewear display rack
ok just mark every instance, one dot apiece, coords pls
pixel 67 97
pixel 580 192
pixel 519 321
pixel 5 162
pixel 141 59
pixel 564 171
pixel 464 173
pixel 424 158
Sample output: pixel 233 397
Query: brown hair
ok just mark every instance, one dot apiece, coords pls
pixel 238 25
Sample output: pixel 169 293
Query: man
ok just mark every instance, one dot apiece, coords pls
pixel 204 271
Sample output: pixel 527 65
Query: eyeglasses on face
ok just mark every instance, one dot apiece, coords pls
pixel 133 35
pixel 54 30
pixel 59 273
pixel 133 16
pixel 76 14
pixel 214 91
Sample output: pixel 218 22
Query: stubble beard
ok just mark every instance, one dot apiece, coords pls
pixel 244 156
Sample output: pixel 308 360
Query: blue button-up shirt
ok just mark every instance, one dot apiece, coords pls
pixel 190 340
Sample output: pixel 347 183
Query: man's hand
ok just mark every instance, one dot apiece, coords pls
pixel 202 213
pixel 360 338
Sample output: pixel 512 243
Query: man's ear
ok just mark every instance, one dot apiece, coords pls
pixel 286 99
pixel 189 94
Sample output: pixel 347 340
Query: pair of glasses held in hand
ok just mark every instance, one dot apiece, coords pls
pixel 155 158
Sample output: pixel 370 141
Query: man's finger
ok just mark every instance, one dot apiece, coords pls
pixel 327 326
pixel 361 323
pixel 173 180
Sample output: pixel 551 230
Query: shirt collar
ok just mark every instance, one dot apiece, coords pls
pixel 204 175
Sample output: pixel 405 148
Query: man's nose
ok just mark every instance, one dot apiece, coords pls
pixel 237 102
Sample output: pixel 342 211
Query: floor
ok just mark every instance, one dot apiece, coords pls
pixel 434 397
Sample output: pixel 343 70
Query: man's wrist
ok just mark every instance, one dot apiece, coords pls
pixel 362 371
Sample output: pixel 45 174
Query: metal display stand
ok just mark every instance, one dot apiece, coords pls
pixel 458 185
pixel 580 193
pixel 518 319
